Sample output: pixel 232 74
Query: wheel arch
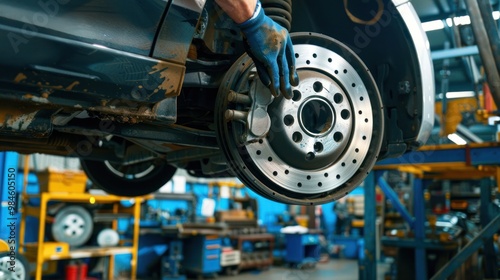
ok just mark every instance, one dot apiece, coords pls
pixel 395 49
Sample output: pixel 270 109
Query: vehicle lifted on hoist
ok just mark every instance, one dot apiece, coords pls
pixel 137 90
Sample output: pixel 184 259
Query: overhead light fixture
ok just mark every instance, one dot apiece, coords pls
pixel 496 15
pixel 456 94
pixel 462 20
pixel 433 25
pixel 457 139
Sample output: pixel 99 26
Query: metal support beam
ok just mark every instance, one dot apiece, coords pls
pixel 468 250
pixel 393 197
pixel 489 258
pixel 368 265
pixel 470 155
pixel 491 29
pixel 419 211
pixel 457 52
pixel 485 50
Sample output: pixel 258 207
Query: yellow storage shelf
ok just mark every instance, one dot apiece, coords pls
pixel 43 251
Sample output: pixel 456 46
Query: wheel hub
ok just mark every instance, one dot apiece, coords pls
pixel 315 125
pixel 316 143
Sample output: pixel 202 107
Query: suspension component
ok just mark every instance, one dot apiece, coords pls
pixel 280 11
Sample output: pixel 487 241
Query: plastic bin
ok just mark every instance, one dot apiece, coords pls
pixel 51 180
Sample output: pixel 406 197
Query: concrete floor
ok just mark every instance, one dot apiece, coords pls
pixel 338 269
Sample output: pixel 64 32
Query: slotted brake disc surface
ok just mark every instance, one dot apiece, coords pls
pixel 317 146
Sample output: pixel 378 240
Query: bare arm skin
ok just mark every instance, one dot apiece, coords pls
pixel 238 10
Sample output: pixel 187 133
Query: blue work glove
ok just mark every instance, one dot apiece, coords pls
pixel 270 47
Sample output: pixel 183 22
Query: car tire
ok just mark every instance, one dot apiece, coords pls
pixel 108 177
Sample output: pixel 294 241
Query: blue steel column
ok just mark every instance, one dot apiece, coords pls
pixel 368 265
pixel 393 197
pixel 485 216
pixel 419 213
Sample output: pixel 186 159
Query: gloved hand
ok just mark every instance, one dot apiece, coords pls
pixel 270 47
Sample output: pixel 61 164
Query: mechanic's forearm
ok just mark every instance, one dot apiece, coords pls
pixel 238 10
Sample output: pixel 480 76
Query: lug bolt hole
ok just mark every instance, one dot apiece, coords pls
pixel 296 95
pixel 338 136
pixel 297 137
pixel 288 120
pixel 345 114
pixel 338 98
pixel 318 86
pixel 318 147
pixel 310 156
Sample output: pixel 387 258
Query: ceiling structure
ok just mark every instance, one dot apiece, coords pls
pixel 450 36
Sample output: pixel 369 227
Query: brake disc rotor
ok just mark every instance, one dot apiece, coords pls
pixel 319 145
pixel 73 225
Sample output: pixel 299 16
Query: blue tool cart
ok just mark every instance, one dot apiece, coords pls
pixel 202 254
pixel 302 249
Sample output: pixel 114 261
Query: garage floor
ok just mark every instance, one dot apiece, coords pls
pixel 338 269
